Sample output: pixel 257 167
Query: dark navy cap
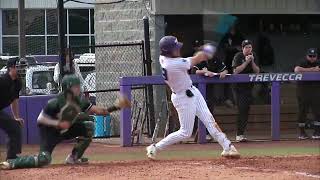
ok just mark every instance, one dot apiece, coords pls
pixel 246 42
pixel 169 44
pixel 12 62
pixel 312 52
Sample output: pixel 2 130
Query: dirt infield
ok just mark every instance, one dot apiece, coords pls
pixel 246 168
pixel 184 167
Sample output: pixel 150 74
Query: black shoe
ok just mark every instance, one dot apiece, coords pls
pixel 303 135
pixel 316 135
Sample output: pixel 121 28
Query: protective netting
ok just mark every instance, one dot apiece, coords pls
pixel 300 103
pixel 101 72
pixel 254 122
pixel 139 111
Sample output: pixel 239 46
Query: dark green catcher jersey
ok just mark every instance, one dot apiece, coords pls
pixel 54 106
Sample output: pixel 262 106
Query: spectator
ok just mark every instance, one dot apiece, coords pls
pixel 229 46
pixel 244 63
pixel 264 50
pixel 308 94
pixel 70 67
pixel 213 67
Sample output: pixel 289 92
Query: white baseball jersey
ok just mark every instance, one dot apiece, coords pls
pixel 175 73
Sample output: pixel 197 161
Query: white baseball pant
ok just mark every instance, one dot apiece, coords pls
pixel 188 108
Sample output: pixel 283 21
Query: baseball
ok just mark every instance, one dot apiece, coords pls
pixel 209 50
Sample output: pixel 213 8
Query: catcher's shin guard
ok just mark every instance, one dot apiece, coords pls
pixel 84 142
pixel 42 159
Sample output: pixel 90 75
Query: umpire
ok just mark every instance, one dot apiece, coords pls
pixel 244 63
pixel 10 85
pixel 308 94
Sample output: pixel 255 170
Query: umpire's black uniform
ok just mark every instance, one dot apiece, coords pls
pixel 9 92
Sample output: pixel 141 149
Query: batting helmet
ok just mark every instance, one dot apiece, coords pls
pixel 168 44
pixel 69 80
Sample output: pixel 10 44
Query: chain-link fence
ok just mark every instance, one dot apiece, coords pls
pixel 236 111
pixel 101 72
pixel 242 109
pixel 300 103
pixel 246 109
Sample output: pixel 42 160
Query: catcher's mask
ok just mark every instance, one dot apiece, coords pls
pixel 68 81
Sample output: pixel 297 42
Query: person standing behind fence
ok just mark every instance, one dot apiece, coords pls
pixel 229 46
pixel 10 85
pixel 212 67
pixel 244 63
pixel 308 95
pixel 70 67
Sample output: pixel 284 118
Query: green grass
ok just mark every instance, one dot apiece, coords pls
pixel 188 153
pixel 201 154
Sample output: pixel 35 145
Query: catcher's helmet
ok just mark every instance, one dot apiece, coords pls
pixel 168 44
pixel 69 80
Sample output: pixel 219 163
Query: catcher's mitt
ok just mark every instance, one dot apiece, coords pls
pixel 121 102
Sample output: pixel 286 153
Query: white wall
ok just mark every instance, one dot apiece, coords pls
pixel 167 7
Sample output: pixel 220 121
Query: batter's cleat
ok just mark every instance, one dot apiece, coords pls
pixel 230 153
pixel 6 165
pixel 151 151
pixel 73 160
pixel 241 138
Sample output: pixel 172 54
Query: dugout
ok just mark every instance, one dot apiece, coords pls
pixel 290 35
pixel 190 20
pixel 290 27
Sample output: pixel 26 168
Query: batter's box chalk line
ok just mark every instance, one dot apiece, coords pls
pixel 287 172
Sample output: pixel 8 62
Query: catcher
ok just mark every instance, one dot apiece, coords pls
pixel 65 117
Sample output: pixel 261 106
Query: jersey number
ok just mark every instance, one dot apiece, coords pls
pixel 164 74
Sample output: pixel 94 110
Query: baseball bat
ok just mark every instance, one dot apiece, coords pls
pixel 136 125
pixel 157 126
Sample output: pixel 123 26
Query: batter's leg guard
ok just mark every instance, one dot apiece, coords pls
pixel 83 142
pixel 42 159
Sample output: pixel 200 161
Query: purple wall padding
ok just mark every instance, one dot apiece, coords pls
pixel 30 107
pixel 34 106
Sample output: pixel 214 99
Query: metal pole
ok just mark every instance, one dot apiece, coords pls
pixel 275 111
pixel 61 39
pixel 22 34
pixel 148 63
pixel 125 119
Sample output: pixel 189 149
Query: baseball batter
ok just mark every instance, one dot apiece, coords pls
pixel 186 98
